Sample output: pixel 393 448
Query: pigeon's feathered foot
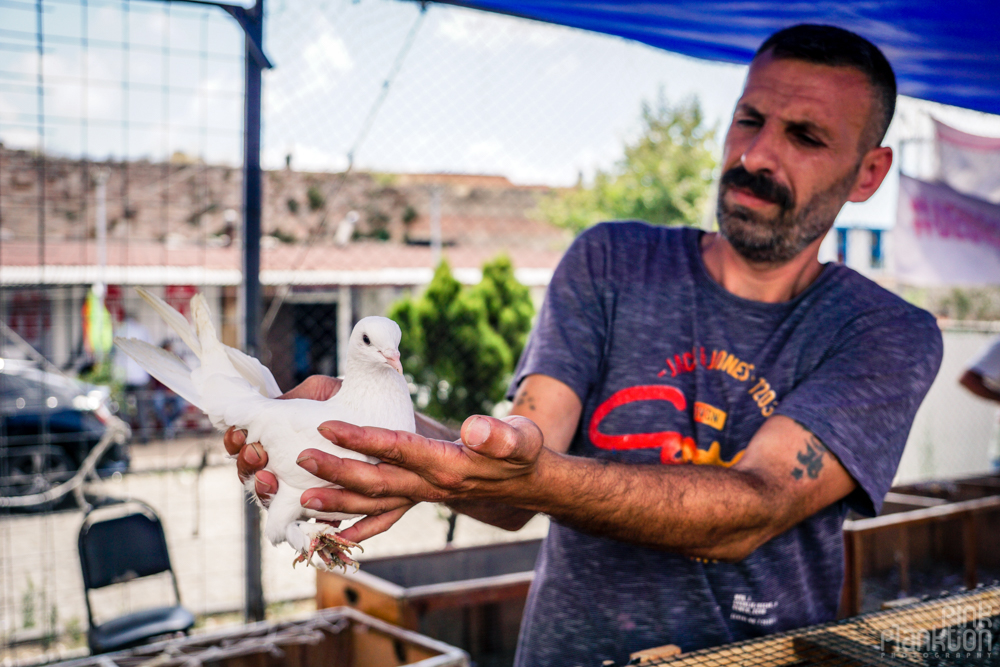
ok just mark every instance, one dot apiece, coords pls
pixel 331 550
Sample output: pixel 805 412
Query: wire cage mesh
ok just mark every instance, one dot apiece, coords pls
pixel 120 134
pixel 121 124
pixel 951 630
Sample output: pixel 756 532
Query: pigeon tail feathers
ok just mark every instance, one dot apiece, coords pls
pixel 165 366
pixel 173 318
pixel 203 322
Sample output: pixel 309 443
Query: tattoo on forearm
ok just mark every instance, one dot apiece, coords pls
pixel 524 399
pixel 811 459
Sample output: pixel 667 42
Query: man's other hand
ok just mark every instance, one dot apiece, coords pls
pixel 251 457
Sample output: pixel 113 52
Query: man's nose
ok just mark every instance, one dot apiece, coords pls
pixel 762 153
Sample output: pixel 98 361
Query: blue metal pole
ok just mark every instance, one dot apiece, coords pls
pixel 251 292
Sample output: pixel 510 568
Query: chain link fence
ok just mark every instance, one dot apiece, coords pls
pixel 120 146
pixel 396 136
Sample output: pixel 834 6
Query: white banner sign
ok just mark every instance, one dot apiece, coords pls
pixel 968 163
pixel 943 237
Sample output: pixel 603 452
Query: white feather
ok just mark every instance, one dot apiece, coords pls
pixel 176 320
pixel 254 371
pixel 165 366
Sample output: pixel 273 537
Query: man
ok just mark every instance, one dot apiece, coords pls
pixel 982 378
pixel 789 384
pixel 137 380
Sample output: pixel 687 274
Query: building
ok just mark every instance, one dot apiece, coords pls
pixel 336 247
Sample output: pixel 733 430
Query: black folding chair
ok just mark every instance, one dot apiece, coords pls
pixel 119 549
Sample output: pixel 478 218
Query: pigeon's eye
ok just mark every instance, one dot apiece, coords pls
pixel 366 339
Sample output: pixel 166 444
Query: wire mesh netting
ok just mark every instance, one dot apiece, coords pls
pixel 953 630
pixel 395 135
pixel 121 133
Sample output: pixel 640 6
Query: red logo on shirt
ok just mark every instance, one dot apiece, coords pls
pixel 674 448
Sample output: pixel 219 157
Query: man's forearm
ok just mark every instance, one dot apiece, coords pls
pixel 677 514
pixel 500 515
pixel 974 382
pixel 783 476
pixel 432 428
pixel 703 511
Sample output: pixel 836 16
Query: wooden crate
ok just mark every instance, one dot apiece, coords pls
pixel 471 597
pixel 954 522
pixel 340 637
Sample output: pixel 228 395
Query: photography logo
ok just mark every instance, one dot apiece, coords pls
pixel 964 632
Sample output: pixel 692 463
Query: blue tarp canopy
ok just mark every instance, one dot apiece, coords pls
pixel 945 51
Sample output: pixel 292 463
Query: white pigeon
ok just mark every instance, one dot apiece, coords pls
pixel 234 389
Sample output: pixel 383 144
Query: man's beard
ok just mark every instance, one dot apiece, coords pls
pixel 778 239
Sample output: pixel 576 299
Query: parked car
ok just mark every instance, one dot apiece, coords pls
pixel 48 425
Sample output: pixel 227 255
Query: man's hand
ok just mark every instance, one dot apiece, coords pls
pixel 491 453
pixel 251 458
pixel 461 471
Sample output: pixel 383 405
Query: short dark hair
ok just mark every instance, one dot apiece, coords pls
pixel 836 47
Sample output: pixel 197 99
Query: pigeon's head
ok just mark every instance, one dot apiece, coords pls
pixel 376 341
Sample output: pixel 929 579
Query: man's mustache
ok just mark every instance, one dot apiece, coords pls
pixel 760 185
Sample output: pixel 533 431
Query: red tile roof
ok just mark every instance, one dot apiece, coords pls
pixel 357 263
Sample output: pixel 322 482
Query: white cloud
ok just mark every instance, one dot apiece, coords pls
pixel 492 156
pixel 485 150
pixel 21 138
pixel 328 53
pixel 327 59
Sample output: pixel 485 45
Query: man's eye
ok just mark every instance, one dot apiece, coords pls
pixel 808 140
pixel 366 339
pixel 748 122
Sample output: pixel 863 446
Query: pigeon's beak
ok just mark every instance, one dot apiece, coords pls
pixel 392 358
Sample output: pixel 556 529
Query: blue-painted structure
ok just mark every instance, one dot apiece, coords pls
pixel 946 52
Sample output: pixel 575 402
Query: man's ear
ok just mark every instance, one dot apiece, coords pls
pixel 874 166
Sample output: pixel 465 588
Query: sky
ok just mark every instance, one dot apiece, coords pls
pixel 476 91
pixel 449 89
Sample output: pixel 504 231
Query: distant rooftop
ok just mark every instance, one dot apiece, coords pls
pixel 359 263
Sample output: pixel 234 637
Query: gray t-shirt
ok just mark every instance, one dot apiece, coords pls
pixel 672 368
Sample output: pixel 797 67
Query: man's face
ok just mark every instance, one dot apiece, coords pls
pixel 791 156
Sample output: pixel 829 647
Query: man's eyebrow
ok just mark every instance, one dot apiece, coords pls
pixel 749 110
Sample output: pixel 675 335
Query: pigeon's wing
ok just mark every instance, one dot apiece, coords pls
pixel 164 366
pixel 176 321
pixel 255 372
pixel 232 401
pixel 233 361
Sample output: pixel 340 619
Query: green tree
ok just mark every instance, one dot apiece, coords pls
pixel 664 177
pixel 460 344
pixel 508 303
